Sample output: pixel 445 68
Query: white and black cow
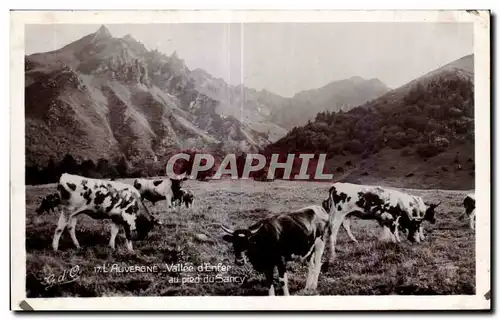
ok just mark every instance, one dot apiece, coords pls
pixel 102 200
pixel 470 209
pixel 271 242
pixel 390 208
pixel 49 203
pixel 166 189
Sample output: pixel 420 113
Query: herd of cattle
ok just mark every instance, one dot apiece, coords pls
pixel 269 243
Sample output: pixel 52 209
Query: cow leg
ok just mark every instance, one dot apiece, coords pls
pixel 114 232
pixel 346 224
pixel 387 234
pixel 72 231
pixel 319 248
pixel 332 239
pixel 310 271
pixel 283 279
pixel 168 199
pixel 61 225
pixel 421 233
pixel 130 247
pixel 270 281
pixel 395 230
pixel 315 264
pixel 472 220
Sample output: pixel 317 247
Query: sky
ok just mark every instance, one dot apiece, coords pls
pixel 286 58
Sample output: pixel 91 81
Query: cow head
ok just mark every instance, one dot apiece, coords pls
pixel 145 221
pixel 49 203
pixel 145 225
pixel 430 212
pixel 241 240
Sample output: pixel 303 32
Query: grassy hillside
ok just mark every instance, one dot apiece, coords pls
pixel 427 135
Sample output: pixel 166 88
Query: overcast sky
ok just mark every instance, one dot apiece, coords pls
pixel 286 58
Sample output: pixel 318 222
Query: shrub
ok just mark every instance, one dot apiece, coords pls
pixel 354 146
pixel 428 150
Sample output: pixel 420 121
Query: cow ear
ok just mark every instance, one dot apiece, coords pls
pixel 228 237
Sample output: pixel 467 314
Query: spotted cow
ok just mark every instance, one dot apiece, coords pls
pixel 185 197
pixel 470 209
pixel 273 241
pixel 102 200
pixel 390 208
pixel 166 189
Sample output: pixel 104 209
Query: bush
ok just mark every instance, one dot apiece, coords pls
pixel 354 146
pixel 428 150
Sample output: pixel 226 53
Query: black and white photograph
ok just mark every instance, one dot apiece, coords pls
pixel 313 157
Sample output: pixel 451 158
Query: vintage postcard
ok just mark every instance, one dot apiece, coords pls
pixel 250 160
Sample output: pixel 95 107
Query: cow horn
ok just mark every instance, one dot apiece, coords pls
pixel 254 231
pixel 226 229
pixel 436 205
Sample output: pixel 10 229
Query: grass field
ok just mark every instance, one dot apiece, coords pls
pixel 444 264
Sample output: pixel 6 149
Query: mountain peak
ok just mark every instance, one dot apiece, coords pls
pixel 102 34
pixel 356 78
pixel 128 36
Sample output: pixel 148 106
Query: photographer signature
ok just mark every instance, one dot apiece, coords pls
pixel 67 276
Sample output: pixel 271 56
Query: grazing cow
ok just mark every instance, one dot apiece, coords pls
pixel 390 208
pixel 49 203
pixel 184 196
pixel 158 190
pixel 470 209
pixel 272 241
pixel 100 199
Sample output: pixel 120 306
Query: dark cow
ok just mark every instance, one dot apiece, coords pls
pixel 390 208
pixel 159 190
pixel 271 242
pixel 470 209
pixel 49 203
pixel 102 200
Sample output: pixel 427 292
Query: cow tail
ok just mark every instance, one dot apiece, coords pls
pixel 330 199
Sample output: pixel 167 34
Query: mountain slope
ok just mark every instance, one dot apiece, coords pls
pixel 419 135
pixel 337 95
pixel 463 68
pixel 106 97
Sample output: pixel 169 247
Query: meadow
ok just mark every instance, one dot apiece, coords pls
pixel 189 238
